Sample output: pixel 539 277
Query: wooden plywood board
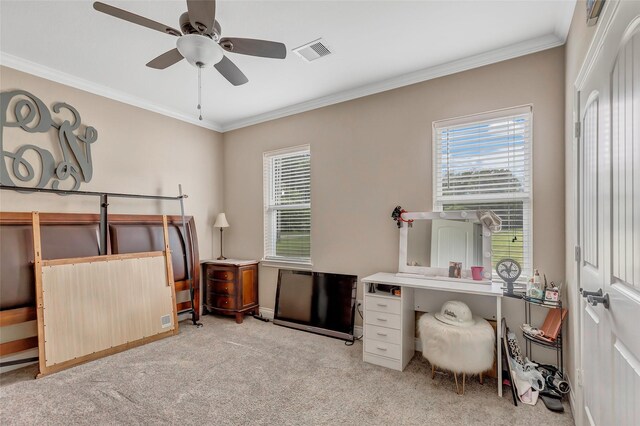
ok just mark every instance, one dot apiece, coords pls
pixel 95 306
pixel 92 307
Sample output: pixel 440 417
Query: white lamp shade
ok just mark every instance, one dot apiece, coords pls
pixel 198 49
pixel 221 221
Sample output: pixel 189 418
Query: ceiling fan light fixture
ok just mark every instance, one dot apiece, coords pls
pixel 199 50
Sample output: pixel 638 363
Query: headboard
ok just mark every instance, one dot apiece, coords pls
pixel 66 235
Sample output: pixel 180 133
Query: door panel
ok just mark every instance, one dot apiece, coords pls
pixel 624 283
pixel 609 222
pixel 592 215
pixel 592 361
pixel 626 371
pixel 452 241
pixel 589 179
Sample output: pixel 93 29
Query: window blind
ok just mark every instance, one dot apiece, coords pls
pixel 287 209
pixel 484 161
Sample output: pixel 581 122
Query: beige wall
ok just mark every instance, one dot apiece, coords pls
pixel 578 41
pixel 137 151
pixel 373 153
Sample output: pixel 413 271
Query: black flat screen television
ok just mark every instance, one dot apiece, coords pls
pixel 318 302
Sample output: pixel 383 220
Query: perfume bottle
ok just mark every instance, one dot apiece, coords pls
pixel 535 290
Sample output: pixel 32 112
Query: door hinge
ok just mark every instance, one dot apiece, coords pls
pixel 576 130
pixel 577 253
pixel 579 372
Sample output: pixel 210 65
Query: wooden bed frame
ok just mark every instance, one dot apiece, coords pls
pixel 24 312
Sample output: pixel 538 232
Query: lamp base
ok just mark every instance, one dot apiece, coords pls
pixel 222 258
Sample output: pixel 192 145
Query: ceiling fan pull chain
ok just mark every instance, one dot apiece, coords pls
pixel 200 91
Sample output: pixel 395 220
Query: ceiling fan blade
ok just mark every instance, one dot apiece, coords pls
pixel 165 60
pixel 133 18
pixel 231 72
pixel 202 14
pixel 254 47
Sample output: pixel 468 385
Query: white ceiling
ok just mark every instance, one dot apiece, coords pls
pixel 377 45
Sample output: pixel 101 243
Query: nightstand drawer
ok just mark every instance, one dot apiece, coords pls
pixel 382 334
pixel 382 319
pixel 221 287
pixel 382 304
pixel 222 275
pixel 382 348
pixel 221 302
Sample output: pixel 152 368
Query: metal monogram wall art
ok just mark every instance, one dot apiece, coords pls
pixel 19 108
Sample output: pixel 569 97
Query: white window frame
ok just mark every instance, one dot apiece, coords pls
pixel 526 197
pixel 268 258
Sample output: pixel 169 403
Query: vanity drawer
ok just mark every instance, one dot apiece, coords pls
pixel 382 319
pixel 382 304
pixel 382 348
pixel 382 334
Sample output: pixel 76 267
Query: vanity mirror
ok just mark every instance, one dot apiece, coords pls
pixel 435 239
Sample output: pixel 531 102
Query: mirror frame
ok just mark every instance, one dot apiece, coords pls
pixel 443 273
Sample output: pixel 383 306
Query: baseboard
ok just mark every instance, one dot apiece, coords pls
pixel 572 401
pixel 357 330
pixel 266 313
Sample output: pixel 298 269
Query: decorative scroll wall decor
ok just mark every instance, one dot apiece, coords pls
pixel 31 115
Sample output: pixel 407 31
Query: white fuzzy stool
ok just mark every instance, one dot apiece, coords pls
pixel 461 350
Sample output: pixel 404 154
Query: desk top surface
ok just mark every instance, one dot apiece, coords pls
pixel 493 289
pixel 233 262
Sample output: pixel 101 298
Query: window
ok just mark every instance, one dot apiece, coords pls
pixel 287 205
pixel 484 161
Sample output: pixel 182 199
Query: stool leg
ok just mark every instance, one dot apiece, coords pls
pixel 481 379
pixel 455 376
pixel 464 376
pixel 433 371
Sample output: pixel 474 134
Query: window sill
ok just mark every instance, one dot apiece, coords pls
pixel 287 264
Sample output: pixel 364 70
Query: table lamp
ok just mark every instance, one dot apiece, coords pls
pixel 221 222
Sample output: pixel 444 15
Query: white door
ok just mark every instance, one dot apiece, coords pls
pixel 454 241
pixel 609 223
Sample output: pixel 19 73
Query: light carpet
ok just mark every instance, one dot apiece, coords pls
pixel 254 373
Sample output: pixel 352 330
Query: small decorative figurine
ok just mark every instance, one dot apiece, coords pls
pixel 397 216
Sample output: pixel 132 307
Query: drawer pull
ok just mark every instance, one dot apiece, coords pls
pixel 380 348
pixel 382 305
pixel 382 319
pixel 381 334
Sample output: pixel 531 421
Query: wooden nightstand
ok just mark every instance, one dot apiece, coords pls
pixel 231 287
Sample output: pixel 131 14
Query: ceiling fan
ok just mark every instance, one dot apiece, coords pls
pixel 200 41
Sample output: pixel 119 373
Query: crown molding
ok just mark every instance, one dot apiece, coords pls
pixel 475 61
pixel 604 23
pixel 38 70
pixel 564 24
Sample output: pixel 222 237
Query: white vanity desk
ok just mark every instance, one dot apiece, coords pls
pixel 389 321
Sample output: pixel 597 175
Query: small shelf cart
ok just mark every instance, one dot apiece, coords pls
pixel 529 340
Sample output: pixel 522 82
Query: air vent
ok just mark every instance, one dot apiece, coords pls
pixel 312 51
pixel 165 321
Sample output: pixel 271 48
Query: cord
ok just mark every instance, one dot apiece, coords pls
pixel 352 341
